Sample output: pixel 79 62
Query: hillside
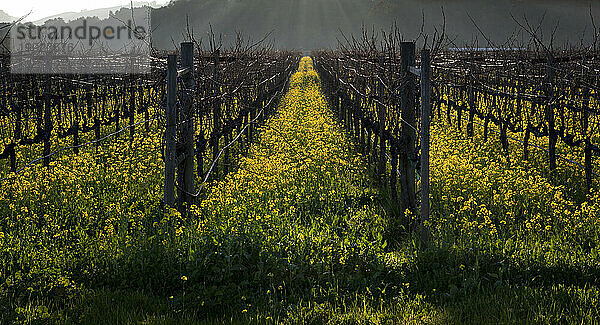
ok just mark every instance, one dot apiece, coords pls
pixel 101 13
pixel 313 24
pixel 4 17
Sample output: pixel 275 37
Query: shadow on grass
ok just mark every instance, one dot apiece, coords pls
pixel 440 285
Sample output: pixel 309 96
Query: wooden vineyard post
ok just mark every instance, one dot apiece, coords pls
pixel 341 95
pixel 381 114
pixel 132 102
pixel 440 99
pixel 76 125
pixel 459 108
pixel 186 136
pixel 486 121
pixel 588 146
pixel 47 122
pixel 550 113
pixel 517 88
pixel 216 116
pixel 356 123
pixel 4 89
pixel 361 125
pixel 18 105
pixel 13 161
pixel 346 114
pixel 372 105
pixel 200 140
pixel 425 111
pixel 338 96
pixel 450 104
pixel 260 102
pixel 227 138
pixel 145 105
pixel 116 110
pixel 471 103
pixel 247 103
pixel 408 135
pixel 253 109
pixel 170 141
pixel 94 104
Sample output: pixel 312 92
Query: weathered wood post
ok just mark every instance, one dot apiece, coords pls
pixel 170 141
pixel 372 106
pixel 459 108
pixel 47 115
pixel 449 102
pixel 425 111
pixel 227 137
pixel 76 124
pixel 408 134
pixel 346 113
pixel 254 108
pixel 94 104
pixel 216 115
pixel 116 110
pixel 132 102
pixel 337 84
pixel 18 105
pixel 381 114
pixel 471 99
pixel 47 123
pixel 186 135
pixel 585 125
pixel 200 140
pixel 247 103
pixel 145 106
pixel 361 126
pixel 549 92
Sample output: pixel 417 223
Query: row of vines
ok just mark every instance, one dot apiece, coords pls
pixel 42 116
pixel 550 95
pixel 514 93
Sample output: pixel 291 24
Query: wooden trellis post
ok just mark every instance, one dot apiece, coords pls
pixel 200 140
pixel 132 102
pixel 472 102
pixel 381 114
pixel 408 134
pixel 550 113
pixel 116 109
pixel 76 124
pixel 94 104
pixel 585 125
pixel 170 141
pixel 47 122
pixel 145 106
pixel 19 111
pixel 186 135
pixel 425 111
pixel 216 115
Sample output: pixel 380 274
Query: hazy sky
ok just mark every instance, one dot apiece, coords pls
pixel 44 8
